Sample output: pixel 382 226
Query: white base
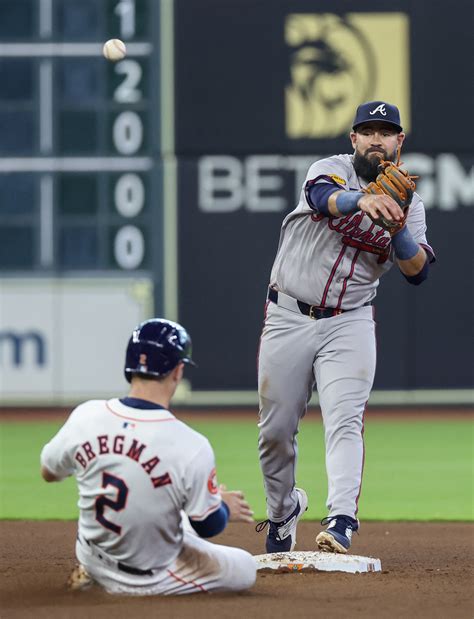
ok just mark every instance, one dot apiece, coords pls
pixel 316 562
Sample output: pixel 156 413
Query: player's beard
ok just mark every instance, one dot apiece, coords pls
pixel 366 165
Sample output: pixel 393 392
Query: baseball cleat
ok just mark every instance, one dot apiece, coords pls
pixel 281 536
pixel 79 579
pixel 338 535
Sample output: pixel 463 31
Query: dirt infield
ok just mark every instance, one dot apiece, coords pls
pixel 188 415
pixel 427 572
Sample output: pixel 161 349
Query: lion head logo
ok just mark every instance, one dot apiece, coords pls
pixel 332 70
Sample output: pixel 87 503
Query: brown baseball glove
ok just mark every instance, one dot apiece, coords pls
pixel 396 183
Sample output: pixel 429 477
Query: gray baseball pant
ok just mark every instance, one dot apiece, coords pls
pixel 339 354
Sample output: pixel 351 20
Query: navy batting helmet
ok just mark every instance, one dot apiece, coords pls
pixel 156 347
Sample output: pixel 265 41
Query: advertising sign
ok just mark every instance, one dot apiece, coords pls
pixel 62 341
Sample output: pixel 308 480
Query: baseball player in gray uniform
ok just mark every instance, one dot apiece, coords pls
pixel 319 324
pixel 147 484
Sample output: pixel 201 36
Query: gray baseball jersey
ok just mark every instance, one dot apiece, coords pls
pixel 336 262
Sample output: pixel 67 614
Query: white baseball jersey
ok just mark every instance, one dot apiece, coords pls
pixel 135 469
pixel 336 262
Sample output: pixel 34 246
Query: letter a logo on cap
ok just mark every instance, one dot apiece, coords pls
pixel 380 108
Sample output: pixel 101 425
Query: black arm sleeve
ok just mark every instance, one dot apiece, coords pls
pixel 317 195
pixel 214 524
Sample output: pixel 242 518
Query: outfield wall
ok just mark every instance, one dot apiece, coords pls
pixel 177 166
pixel 262 90
pixel 64 340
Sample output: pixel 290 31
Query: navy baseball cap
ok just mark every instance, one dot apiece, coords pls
pixel 379 111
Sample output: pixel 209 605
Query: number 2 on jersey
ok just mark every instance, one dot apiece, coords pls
pixel 117 505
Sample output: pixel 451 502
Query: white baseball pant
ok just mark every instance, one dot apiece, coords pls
pixel 201 567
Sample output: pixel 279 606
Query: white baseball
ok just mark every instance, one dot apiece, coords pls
pixel 114 49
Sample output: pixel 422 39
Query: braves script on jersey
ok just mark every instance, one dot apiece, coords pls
pixel 336 262
pixel 134 466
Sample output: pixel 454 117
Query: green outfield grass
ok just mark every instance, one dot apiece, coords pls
pixel 417 470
